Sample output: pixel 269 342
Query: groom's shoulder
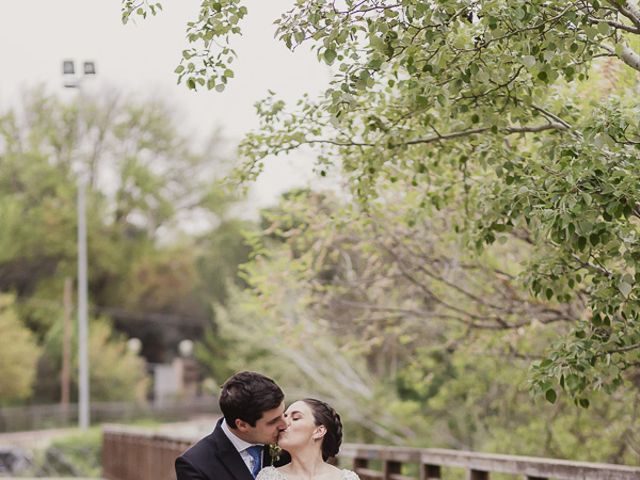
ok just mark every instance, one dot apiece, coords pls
pixel 202 449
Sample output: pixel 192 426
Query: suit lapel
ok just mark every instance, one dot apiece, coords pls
pixel 236 466
pixel 266 457
pixel 229 456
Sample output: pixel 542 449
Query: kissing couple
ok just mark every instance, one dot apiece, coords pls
pixel 243 443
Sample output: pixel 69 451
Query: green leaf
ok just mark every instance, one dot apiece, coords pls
pixel 551 395
pixel 582 243
pixel 603 28
pixel 572 382
pixel 625 289
pixel 547 362
pixel 329 56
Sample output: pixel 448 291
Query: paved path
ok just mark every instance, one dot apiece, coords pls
pixel 195 428
pixel 34 438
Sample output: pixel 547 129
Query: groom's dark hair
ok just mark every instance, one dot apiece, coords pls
pixel 246 396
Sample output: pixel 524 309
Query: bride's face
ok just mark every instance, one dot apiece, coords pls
pixel 301 428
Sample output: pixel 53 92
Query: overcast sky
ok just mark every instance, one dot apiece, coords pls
pixel 36 35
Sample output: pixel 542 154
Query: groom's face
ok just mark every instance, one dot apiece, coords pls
pixel 267 428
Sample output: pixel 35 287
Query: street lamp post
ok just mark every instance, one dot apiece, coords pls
pixel 83 307
pixel 73 81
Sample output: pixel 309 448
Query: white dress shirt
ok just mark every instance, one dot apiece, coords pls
pixel 241 446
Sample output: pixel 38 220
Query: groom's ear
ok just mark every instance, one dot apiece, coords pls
pixel 241 425
pixel 319 432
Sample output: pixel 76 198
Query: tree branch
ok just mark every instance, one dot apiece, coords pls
pixel 434 138
pixel 624 349
pixel 627 55
pixel 628 9
pixel 553 117
pixel 616 25
pixel 630 57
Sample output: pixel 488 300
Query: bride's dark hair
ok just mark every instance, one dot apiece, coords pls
pixel 324 414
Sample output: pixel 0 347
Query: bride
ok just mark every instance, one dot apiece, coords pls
pixel 313 435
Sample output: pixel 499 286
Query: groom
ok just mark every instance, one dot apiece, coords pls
pixel 253 409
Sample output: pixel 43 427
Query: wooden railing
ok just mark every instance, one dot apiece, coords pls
pixel 428 464
pixel 134 453
pixel 129 454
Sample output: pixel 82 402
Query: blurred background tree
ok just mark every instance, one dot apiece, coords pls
pixel 19 353
pixel 383 311
pixel 161 244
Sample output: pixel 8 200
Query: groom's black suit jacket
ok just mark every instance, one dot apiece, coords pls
pixel 215 458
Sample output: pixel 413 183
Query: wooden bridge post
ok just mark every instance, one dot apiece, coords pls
pixel 430 472
pixel 391 467
pixel 478 475
pixel 360 463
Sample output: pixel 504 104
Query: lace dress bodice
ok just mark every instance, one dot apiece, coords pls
pixel 272 473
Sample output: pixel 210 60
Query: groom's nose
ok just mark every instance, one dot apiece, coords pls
pixel 283 424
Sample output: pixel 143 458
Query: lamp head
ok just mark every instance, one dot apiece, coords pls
pixel 68 67
pixel 89 68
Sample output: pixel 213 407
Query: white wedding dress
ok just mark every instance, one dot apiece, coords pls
pixel 272 473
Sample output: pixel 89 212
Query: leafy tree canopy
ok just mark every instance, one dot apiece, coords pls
pixel 415 340
pixel 528 110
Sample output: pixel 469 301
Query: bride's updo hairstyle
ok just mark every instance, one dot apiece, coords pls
pixel 323 414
